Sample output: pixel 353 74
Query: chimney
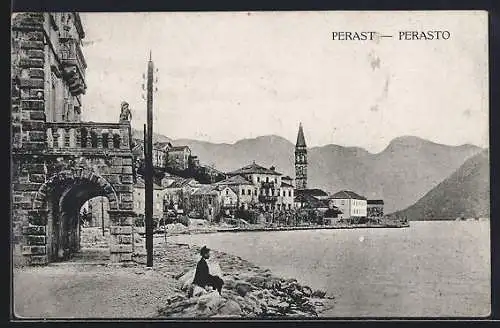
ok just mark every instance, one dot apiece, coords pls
pixel 272 168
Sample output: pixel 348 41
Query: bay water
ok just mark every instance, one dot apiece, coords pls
pixel 430 269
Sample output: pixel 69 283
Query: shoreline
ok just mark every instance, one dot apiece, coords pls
pixel 188 230
pixel 249 291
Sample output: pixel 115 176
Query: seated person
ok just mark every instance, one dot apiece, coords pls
pixel 202 277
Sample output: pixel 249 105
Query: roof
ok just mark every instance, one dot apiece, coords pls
pixel 254 168
pixel 346 194
pixel 284 184
pixel 375 202
pixel 178 148
pixel 286 178
pixel 206 190
pixel 163 145
pixel 312 201
pixel 141 184
pixel 312 192
pixel 301 141
pixel 235 180
pixel 182 183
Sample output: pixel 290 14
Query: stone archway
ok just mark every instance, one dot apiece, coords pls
pixel 53 230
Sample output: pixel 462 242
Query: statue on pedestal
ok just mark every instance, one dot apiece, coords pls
pixel 125 114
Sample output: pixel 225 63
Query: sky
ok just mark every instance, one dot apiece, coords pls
pixel 226 76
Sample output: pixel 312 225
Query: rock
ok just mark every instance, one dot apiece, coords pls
pixel 296 294
pixel 195 290
pixel 186 279
pixel 318 293
pixel 230 308
pixel 257 280
pixel 307 291
pixel 242 288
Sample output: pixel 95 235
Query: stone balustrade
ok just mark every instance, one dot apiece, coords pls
pixel 74 136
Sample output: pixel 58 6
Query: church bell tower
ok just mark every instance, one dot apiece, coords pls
pixel 300 160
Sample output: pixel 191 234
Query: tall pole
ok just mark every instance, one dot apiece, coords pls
pixel 149 166
pixel 102 215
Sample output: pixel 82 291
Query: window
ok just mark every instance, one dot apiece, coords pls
pixel 258 179
pixel 289 193
pixel 255 192
pixel 249 192
pixel 267 179
pixel 242 192
pixel 227 192
pixel 276 180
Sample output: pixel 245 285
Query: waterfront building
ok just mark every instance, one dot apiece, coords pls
pixel 350 204
pixel 177 194
pixel 375 208
pixel 244 189
pixel 271 194
pixel 300 160
pixel 206 201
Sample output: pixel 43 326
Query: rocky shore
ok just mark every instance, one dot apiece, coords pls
pixel 248 292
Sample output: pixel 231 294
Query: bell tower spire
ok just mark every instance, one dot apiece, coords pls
pixel 300 160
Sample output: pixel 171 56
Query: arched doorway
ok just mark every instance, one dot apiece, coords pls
pixel 64 221
pixel 63 196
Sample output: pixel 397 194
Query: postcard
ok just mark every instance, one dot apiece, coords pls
pixel 250 165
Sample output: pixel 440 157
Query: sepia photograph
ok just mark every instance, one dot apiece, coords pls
pixel 250 165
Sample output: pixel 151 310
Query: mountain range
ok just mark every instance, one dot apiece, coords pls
pixel 401 174
pixel 465 193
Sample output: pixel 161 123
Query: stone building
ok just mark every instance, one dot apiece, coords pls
pixel 244 189
pixel 59 162
pixel 300 160
pixel 310 198
pixel 206 201
pixel 177 194
pixel 350 204
pixel 178 158
pixel 271 193
pixel 160 151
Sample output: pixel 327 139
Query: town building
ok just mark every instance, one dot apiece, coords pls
pixel 350 204
pixel 244 189
pixel 139 199
pixel 269 189
pixel 310 198
pixel 178 158
pixel 160 151
pixel 206 201
pixel 228 197
pixel 177 193
pixel 300 160
pixel 375 208
pixel 288 180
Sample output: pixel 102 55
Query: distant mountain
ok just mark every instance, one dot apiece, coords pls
pixel 139 134
pixel 400 174
pixel 465 193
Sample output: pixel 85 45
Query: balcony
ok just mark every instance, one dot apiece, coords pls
pixel 267 185
pixel 268 199
pixel 88 137
pixel 74 66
